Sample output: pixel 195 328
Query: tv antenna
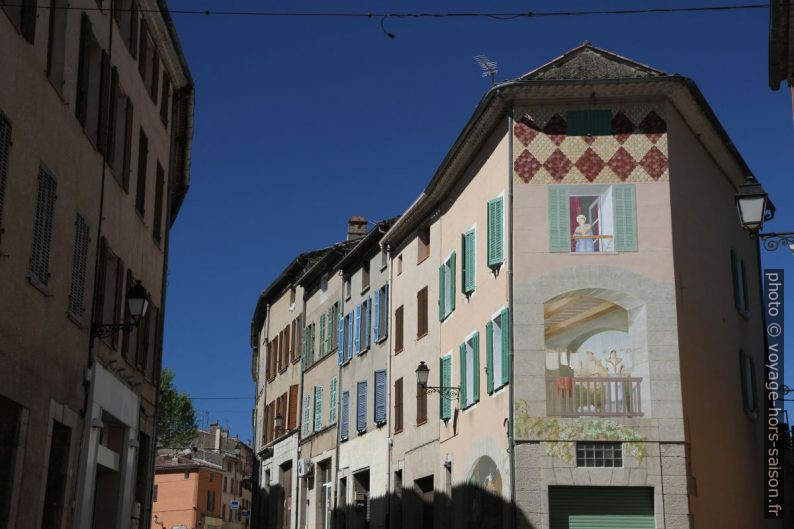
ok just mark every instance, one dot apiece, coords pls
pixel 489 67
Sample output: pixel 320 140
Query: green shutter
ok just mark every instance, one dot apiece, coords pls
pixel 441 308
pixel 559 220
pixel 505 326
pixel 318 408
pixel 311 339
pixel 495 232
pixel 463 396
pixel 588 122
pixel 468 261
pixel 322 335
pixel 625 218
pixel 332 402
pixel 446 381
pixel 489 355
pixel 601 508
pixel 307 404
pixel 452 282
pixel 304 352
pixel 476 367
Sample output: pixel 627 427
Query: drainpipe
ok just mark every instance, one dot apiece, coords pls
pixel 389 439
pixel 511 305
pixel 339 399
pixel 298 434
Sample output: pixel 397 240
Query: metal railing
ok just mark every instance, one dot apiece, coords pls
pixel 593 396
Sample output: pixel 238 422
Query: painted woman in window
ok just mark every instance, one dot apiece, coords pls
pixel 583 235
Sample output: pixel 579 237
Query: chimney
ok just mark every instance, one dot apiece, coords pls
pixel 217 439
pixel 356 227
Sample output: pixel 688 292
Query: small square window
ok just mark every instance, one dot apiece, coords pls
pixel 599 454
pixel 347 288
pixel 365 276
pixel 423 245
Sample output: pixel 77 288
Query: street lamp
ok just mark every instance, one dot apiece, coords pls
pixel 755 208
pixel 446 392
pixel 137 303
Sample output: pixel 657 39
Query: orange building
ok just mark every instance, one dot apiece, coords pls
pixel 187 493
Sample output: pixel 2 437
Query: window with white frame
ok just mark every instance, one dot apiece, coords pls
pixel 446 283
pixel 470 371
pixel 497 346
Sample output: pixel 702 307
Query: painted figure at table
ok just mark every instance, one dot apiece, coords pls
pixel 583 235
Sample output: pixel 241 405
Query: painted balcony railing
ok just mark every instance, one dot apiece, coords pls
pixel 593 396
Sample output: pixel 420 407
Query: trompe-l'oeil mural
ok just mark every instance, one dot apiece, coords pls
pixel 590 360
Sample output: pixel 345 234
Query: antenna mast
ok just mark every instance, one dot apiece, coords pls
pixel 489 67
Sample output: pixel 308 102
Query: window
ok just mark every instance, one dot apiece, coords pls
pixel 398 405
pixel 589 122
pixel 363 317
pixel 120 139
pixel 164 98
pixel 5 147
pixel 421 403
pixel 421 313
pixel 111 280
pixel 365 276
pixel 345 415
pixel 445 379
pixel 56 46
pixel 143 155
pixel 296 347
pixel 154 491
pixel 223 509
pixel 380 397
pixel 495 232
pixel 91 71
pixel 23 16
pixel 126 16
pixel 42 228
pixel 739 283
pixel 346 340
pixel 361 406
pixel 79 267
pixel 347 288
pixel 332 320
pixel 468 253
pixel 749 390
pixel 380 314
pixel 57 476
pixel 210 500
pixel 318 408
pixel 332 401
pixel 212 477
pixel 399 264
pixel 446 287
pixel 13 436
pixel 423 245
pixel 307 408
pixel 384 259
pixel 497 336
pixel 148 63
pixel 599 454
pixel 292 417
pixel 398 329
pixel 470 371
pixel 592 218
pixel 158 203
pixel 308 346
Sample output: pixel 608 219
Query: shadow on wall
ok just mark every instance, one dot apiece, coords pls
pixel 419 507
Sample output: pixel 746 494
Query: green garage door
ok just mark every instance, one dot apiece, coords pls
pixel 601 508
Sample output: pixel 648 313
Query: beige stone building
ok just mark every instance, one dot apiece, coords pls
pixel 95 127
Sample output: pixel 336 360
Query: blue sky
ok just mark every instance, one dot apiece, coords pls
pixel 302 122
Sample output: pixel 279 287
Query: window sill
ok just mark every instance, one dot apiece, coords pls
pixel 364 290
pixel 398 351
pixel 38 285
pixel 423 259
pixel 420 336
pixel 422 422
pixel 381 339
pixel 743 313
pixel 77 320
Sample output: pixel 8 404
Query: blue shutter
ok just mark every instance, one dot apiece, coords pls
pixel 380 396
pixel 376 321
pixel 332 401
pixel 357 330
pixel 559 219
pixel 345 413
pixel 369 321
pixel 340 346
pixel 350 330
pixel 504 321
pixel 475 365
pixel 463 396
pixel 361 407
pixel 489 356
pixel 625 211
pixel 318 408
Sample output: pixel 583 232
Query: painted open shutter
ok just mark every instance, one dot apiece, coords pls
pixel 307 404
pixel 559 219
pixel 340 352
pixel 452 273
pixel 625 218
pixel 489 355
pixel 445 405
pixel 476 366
pixel 380 397
pixel 332 401
pixel 318 408
pixel 495 232
pixel 505 325
pixel 357 330
pixel 468 261
pixel 361 406
pixel 441 310
pixel 463 388
pixel 376 312
pixel 345 414
pixel 322 335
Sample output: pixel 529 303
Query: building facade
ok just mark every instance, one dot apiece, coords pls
pixel 592 291
pixel 95 126
pixel 187 493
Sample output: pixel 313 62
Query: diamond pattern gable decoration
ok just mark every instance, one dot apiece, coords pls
pixel 526 166
pixel 654 162
pixel 525 130
pixel 590 164
pixel 555 128
pixel 558 165
pixel 653 126
pixel 622 164
pixel 622 127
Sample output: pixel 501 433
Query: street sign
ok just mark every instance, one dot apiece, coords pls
pixel 234 505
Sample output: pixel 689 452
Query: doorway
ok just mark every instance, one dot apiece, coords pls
pixel 424 491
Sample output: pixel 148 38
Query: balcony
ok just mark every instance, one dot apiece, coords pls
pixel 570 396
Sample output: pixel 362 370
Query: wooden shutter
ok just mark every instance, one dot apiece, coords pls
pixel 143 157
pixel 421 312
pixel 476 367
pixel 464 398
pixel 345 414
pixel 155 79
pixel 489 356
pixel 42 227
pixel 322 335
pixel 625 218
pixel 441 309
pixel 357 331
pixel 5 148
pixel 292 417
pixel 318 408
pixel 83 70
pixel 158 203
pixel 380 397
pixel 398 329
pixel 421 403
pixel 559 219
pixel 398 405
pixel 495 232
pixel 446 382
pixel 112 109
pixel 125 177
pixel 27 21
pixel 361 406
pixel 103 110
pixel 307 405
pixel 300 346
pixel 504 322
pixel 132 44
pixel 79 266
pixel 376 321
pixel 332 401
pixel 164 98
